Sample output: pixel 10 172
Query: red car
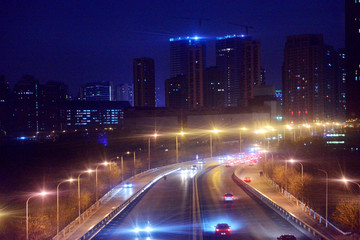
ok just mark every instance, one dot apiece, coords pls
pixel 222 229
pixel 247 179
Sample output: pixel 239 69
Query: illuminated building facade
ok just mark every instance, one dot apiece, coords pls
pixel 97 91
pixel 311 80
pixel 96 114
pixel 125 92
pixel 144 82
pixel 238 56
pixel 176 92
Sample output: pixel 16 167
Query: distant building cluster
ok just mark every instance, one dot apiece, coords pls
pixel 320 83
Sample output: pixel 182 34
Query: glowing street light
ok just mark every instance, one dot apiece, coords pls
pixel 42 194
pixel 345 180
pixel 70 180
pixel 78 179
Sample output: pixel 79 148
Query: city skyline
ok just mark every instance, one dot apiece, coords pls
pixel 55 43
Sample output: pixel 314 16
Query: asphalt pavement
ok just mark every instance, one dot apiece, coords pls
pixel 166 206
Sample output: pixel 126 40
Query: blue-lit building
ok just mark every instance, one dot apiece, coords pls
pixel 97 91
pixel 95 114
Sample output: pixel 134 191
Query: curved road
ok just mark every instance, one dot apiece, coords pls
pixel 168 207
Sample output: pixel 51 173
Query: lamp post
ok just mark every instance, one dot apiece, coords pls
pixel 241 129
pixel 149 161
pixel 177 145
pixel 327 194
pixel 96 178
pixel 302 170
pixel 134 154
pixel 211 144
pixel 58 205
pixel 78 179
pixel 43 193
pixel 122 168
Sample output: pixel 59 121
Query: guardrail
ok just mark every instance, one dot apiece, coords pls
pixel 306 208
pixel 92 209
pixel 96 228
pixel 288 216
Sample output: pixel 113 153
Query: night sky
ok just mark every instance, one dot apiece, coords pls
pixel 84 41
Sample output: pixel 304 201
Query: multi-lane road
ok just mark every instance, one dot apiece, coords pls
pixel 169 204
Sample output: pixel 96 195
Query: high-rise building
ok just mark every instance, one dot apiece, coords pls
pixel 125 92
pixel 352 45
pixel 188 58
pixel 195 76
pixel 144 82
pixel 55 97
pixel 310 79
pixel 97 91
pixel 213 88
pixel 341 87
pixel 238 56
pixel 5 105
pixel 28 105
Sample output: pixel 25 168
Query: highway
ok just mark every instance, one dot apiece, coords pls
pixel 168 208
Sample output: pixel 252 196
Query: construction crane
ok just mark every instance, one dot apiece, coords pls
pixel 247 27
pixel 195 19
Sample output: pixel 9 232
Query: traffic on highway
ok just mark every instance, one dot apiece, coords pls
pixel 201 201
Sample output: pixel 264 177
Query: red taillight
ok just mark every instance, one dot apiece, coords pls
pixel 217 229
pixel 228 229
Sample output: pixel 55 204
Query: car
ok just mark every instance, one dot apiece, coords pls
pixel 247 179
pixel 251 164
pixel 194 167
pixel 228 197
pixel 287 237
pixel 143 228
pixel 201 162
pixel 227 164
pixel 223 230
pixel 128 185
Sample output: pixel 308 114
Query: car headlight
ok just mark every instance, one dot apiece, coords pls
pixel 137 230
pixel 148 229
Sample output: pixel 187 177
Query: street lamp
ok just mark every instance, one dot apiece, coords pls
pixel 211 145
pixel 149 162
pixel 42 194
pixel 70 180
pixel 78 179
pixel 263 131
pixel 96 178
pixel 327 194
pixel 177 145
pixel 302 169
pixel 241 129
